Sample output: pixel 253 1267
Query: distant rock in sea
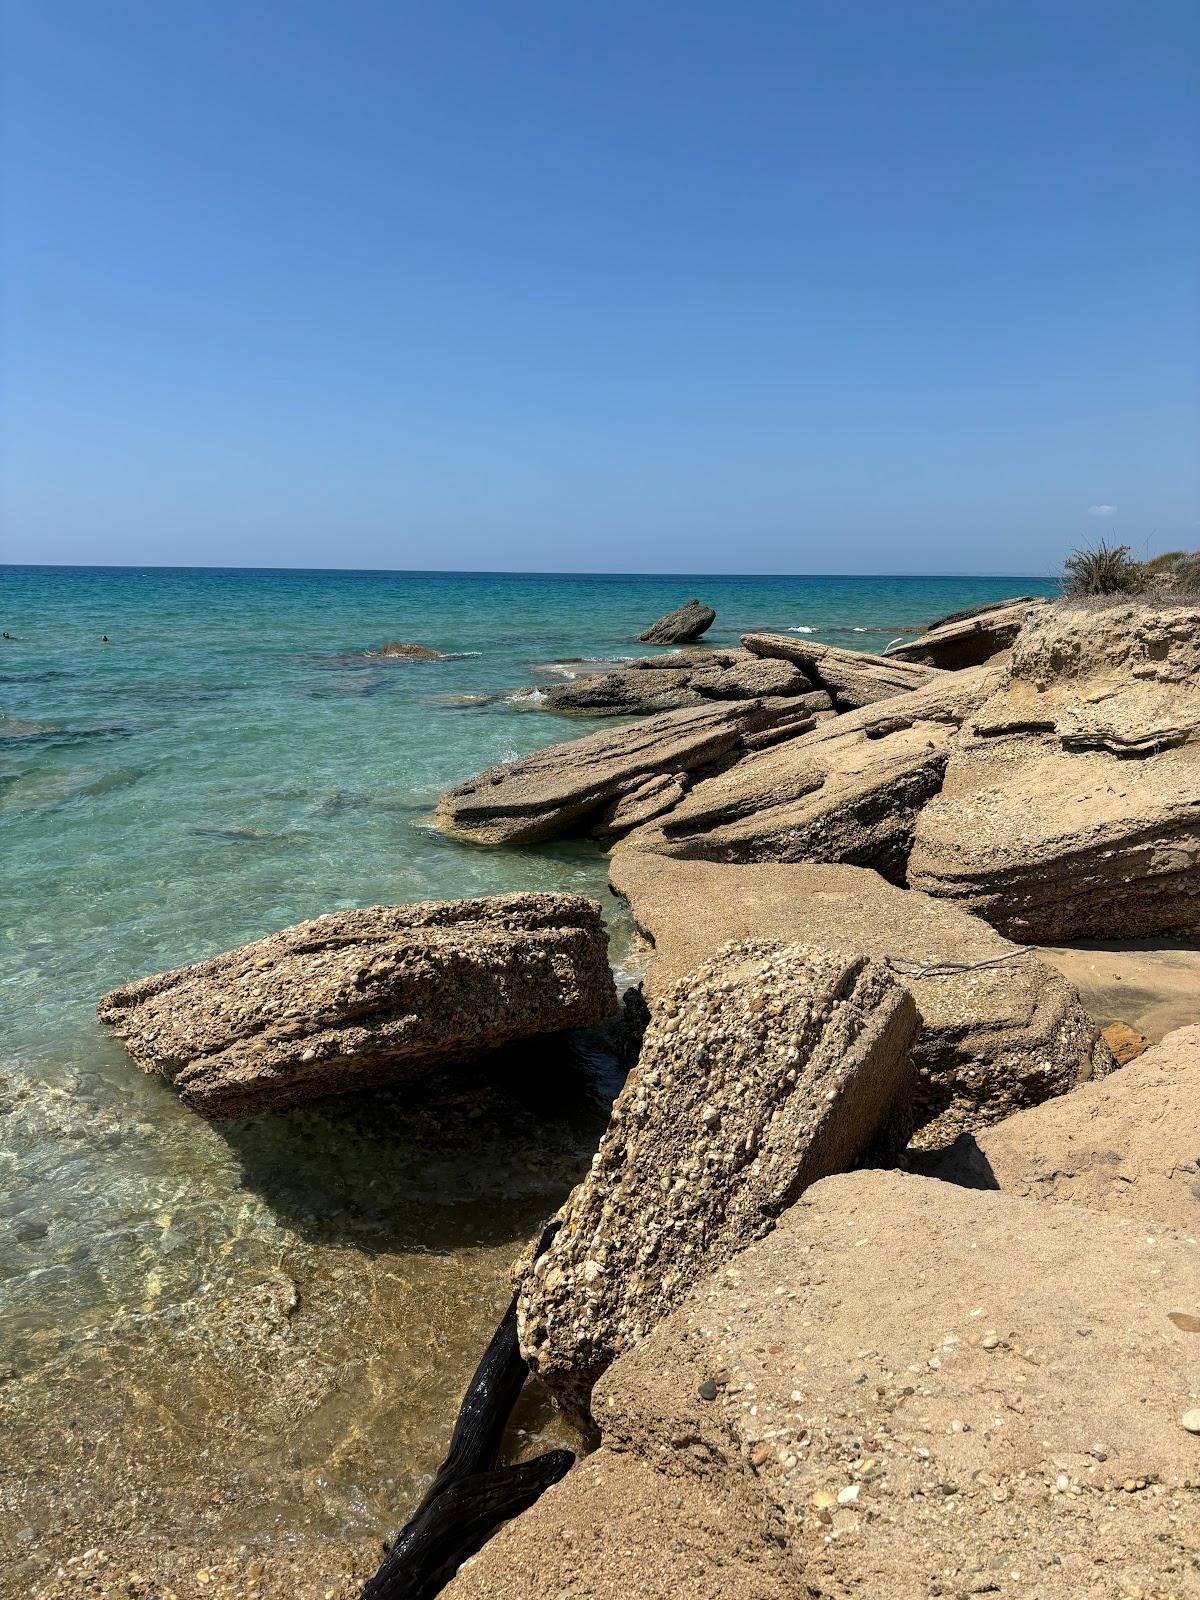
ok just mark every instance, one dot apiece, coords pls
pixel 680 626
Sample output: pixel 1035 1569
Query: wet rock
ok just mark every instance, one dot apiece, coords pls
pixel 849 790
pixel 852 677
pixel 1130 1144
pixel 768 1067
pixel 361 998
pixel 1071 804
pixel 967 638
pixel 566 788
pixel 681 626
pixel 1000 1030
pixel 399 651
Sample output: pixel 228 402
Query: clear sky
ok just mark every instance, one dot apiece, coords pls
pixel 765 285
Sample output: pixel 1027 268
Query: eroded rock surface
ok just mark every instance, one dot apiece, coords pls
pixel 849 790
pixel 1071 805
pixel 765 1069
pixel 360 998
pixel 924 1390
pixel 681 626
pixel 852 677
pixel 968 638
pixel 1000 1030
pixel 644 687
pixel 568 787
pixel 1130 1145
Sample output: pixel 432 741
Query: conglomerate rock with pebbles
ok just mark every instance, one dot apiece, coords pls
pixel 765 1069
pixel 361 998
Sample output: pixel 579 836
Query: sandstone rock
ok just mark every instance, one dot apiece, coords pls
pixel 1130 1145
pixel 1071 806
pixel 1126 1043
pixel 852 677
pixel 766 1068
pixel 360 998
pixel 644 687
pixel 1000 1030
pixel 680 626
pixel 615 1529
pixel 1001 1381
pixel 967 638
pixel 398 651
pixel 566 788
pixel 849 790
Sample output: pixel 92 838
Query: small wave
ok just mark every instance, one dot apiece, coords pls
pixel 525 697
pixel 802 630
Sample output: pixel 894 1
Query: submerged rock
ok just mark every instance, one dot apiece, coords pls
pixel 967 638
pixel 1130 1144
pixel 680 626
pixel 566 788
pixel 767 1068
pixel 1000 1030
pixel 1071 805
pixel 852 677
pixel 361 998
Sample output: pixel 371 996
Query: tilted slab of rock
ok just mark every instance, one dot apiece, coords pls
pixel 566 788
pixel 765 1069
pixel 642 688
pixel 849 790
pixel 1000 1030
pixel 968 638
pixel 1071 806
pixel 1130 1144
pixel 949 1381
pixel 681 626
pixel 852 677
pixel 360 998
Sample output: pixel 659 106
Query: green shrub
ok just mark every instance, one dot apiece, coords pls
pixel 1103 569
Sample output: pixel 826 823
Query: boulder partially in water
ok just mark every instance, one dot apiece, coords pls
pixel 397 650
pixel 767 1068
pixel 357 999
pixel 681 626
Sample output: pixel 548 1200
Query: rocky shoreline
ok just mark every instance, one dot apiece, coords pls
pixel 885 1275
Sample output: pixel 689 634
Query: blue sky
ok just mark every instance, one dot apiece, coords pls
pixel 757 286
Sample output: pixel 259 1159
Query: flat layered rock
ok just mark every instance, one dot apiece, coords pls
pixel 1130 1145
pixel 1000 1030
pixel 767 1068
pixel 967 638
pixel 566 788
pixel 361 998
pixel 642 688
pixel 681 626
pixel 1071 806
pixel 852 677
pixel 849 790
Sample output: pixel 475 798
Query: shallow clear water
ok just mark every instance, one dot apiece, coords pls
pixel 302 1295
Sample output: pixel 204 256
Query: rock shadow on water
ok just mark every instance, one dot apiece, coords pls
pixel 458 1158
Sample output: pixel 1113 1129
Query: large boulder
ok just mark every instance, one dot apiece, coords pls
pixel 1000 1030
pixel 360 998
pixel 681 626
pixel 915 1390
pixel 1130 1144
pixel 1071 805
pixel 849 790
pixel 765 1069
pixel 569 787
pixel 852 677
pixel 967 638
pixel 644 687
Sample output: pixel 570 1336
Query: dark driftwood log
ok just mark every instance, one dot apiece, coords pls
pixel 470 1497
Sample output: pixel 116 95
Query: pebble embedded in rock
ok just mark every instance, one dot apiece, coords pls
pixel 1191 1420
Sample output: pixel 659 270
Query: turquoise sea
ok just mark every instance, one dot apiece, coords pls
pixel 301 1296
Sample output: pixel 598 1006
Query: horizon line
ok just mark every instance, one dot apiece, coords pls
pixel 484 572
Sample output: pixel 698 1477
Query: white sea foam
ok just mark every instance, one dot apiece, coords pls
pixel 525 697
pixel 802 630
